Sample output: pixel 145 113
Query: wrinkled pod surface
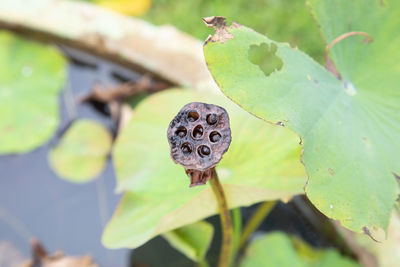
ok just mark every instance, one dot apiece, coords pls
pixel 198 137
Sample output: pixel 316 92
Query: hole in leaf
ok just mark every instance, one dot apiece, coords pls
pixel 186 148
pixel 215 136
pixel 193 116
pixel 181 132
pixel 203 151
pixel 264 56
pixel 198 132
pixel 212 119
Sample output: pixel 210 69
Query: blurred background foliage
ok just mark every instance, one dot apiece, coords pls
pixel 281 20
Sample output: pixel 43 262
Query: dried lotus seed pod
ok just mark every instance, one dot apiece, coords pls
pixel 198 137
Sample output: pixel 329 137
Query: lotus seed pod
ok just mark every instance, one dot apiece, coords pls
pixel 198 137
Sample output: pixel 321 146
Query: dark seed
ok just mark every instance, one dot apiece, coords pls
pixel 212 119
pixel 186 148
pixel 193 116
pixel 215 136
pixel 203 151
pixel 198 132
pixel 181 132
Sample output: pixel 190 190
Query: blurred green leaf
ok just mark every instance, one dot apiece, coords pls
pixel 277 249
pixel 350 127
pixel 31 76
pixel 282 20
pixel 192 240
pixel 261 164
pixel 82 152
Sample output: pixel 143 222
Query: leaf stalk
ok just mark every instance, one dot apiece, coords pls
pixel 259 215
pixel 226 221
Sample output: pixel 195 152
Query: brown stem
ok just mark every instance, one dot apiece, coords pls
pixel 328 61
pixel 226 221
pixel 367 39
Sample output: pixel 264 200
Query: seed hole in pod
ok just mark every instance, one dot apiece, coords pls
pixel 212 119
pixel 198 132
pixel 203 151
pixel 186 148
pixel 215 136
pixel 193 116
pixel 181 132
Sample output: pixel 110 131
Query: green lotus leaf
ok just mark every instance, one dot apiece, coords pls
pixel 350 126
pixel 261 164
pixel 82 152
pixel 192 240
pixel 31 76
pixel 278 249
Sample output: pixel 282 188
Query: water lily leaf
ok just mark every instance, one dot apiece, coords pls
pixel 278 249
pixel 261 164
pixel 31 76
pixel 192 240
pixel 350 127
pixel 82 152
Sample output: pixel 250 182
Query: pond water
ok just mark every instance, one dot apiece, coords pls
pixel 35 202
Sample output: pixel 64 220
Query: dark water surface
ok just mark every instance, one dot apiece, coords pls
pixel 35 202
